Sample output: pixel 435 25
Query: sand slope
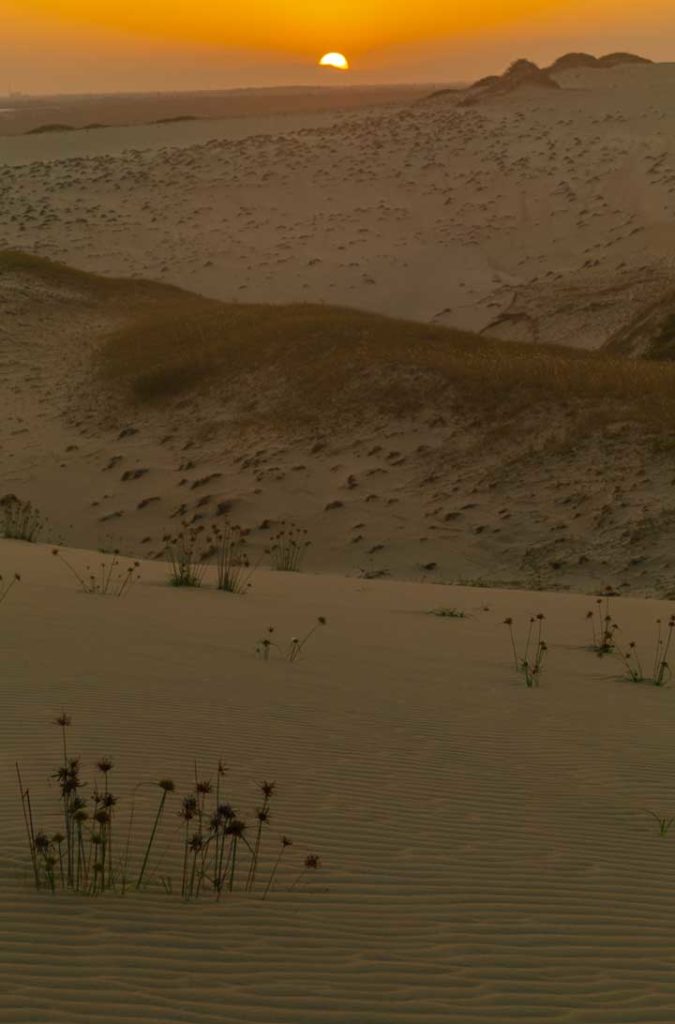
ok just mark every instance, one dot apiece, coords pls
pixel 545 215
pixel 487 855
pixel 541 498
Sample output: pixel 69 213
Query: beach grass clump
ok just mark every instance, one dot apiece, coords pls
pixel 291 651
pixel 7 584
pixel 288 548
pixel 187 559
pixel 529 662
pixel 19 520
pixel 233 567
pixel 210 852
pixel 657 671
pixel 448 613
pixel 112 577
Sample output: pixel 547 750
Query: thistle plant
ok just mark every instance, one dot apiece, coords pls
pixel 110 578
pixel 291 651
pixel 529 663
pixel 216 853
pixel 285 843
pixel 311 863
pixel 288 548
pixel 263 816
pixel 166 786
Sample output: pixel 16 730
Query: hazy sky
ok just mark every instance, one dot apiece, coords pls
pixel 109 45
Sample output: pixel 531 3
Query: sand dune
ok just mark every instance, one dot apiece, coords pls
pixel 491 463
pixel 490 851
pixel 540 216
pixel 487 854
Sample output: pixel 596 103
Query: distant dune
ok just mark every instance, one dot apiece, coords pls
pixel 542 212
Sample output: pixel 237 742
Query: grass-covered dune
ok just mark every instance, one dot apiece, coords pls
pixel 306 361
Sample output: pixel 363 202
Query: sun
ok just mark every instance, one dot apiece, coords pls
pixel 334 60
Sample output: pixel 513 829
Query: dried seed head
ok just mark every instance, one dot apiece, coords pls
pixel 167 785
pixel 188 808
pixel 41 842
pixel 104 765
pixel 312 862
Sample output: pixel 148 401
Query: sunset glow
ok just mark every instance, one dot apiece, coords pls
pixel 301 26
pixel 388 39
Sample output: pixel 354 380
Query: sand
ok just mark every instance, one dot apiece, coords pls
pixel 489 852
pixel 544 215
pixel 486 849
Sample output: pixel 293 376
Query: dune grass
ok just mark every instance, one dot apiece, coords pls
pixel 307 362
pixel 304 363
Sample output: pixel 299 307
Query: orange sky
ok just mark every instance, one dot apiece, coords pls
pixel 103 41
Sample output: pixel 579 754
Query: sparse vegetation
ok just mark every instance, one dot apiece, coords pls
pixel 288 548
pixel 603 627
pixel 214 853
pixel 233 567
pixel 290 651
pixel 529 663
pixel 663 822
pixel 448 613
pixel 20 519
pixel 111 577
pixel 660 669
pixel 323 358
pixel 187 558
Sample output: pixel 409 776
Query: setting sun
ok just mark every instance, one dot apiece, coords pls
pixel 334 60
